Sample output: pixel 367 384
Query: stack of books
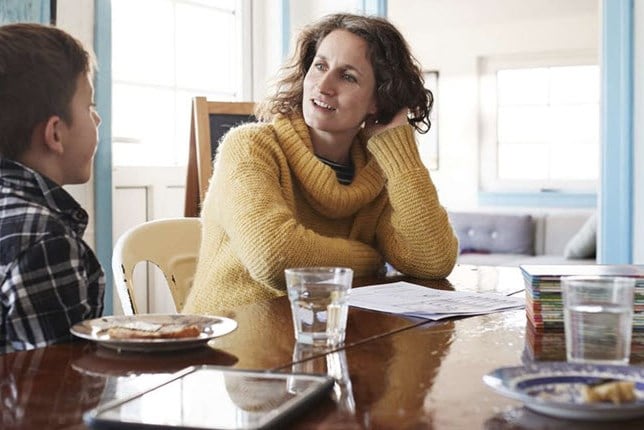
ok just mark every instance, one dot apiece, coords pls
pixel 550 345
pixel 547 345
pixel 544 306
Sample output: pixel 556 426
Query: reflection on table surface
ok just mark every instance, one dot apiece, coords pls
pixel 393 372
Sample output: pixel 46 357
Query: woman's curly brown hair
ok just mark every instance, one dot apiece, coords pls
pixel 399 80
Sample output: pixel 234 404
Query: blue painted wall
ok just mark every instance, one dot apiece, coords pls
pixel 616 196
pixel 25 11
pixel 103 160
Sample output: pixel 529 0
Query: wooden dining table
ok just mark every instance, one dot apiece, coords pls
pixel 392 372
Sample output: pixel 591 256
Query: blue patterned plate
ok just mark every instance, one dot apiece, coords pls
pixel 554 389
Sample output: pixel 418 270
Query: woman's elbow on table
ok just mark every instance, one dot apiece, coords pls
pixel 436 262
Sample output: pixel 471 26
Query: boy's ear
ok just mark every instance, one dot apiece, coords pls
pixel 53 134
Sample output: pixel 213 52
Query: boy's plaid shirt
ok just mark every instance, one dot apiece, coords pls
pixel 49 277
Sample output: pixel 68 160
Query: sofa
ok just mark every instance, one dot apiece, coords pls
pixel 501 238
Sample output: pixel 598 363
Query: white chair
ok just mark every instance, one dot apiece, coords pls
pixel 171 244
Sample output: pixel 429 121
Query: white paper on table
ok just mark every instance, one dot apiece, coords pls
pixel 415 300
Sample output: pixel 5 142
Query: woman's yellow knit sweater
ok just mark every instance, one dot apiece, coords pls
pixel 272 204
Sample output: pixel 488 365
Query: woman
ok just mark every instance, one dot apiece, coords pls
pixel 335 179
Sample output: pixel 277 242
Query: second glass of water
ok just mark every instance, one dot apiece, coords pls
pixel 318 297
pixel 598 318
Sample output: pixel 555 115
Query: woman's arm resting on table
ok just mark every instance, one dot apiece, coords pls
pixel 414 232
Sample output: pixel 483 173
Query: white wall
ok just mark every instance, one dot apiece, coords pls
pixel 267 36
pixel 77 18
pixel 451 35
pixel 305 12
pixel 267 44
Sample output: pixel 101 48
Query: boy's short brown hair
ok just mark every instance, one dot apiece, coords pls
pixel 39 69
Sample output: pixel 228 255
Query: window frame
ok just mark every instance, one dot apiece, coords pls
pixel 488 122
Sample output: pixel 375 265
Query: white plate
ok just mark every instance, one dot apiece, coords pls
pixel 96 330
pixel 555 389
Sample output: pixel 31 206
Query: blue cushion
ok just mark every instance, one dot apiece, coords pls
pixel 494 233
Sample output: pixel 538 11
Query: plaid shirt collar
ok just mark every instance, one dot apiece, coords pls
pixel 22 181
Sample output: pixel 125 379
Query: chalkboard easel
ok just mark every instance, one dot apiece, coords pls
pixel 209 122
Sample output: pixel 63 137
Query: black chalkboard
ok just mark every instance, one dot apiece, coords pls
pixel 220 123
pixel 210 121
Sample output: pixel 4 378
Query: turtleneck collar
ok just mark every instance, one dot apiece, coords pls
pixel 318 181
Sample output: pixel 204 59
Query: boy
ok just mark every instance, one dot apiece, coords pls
pixel 49 277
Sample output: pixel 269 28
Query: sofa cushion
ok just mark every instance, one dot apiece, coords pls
pixel 582 244
pixel 482 232
pixel 560 226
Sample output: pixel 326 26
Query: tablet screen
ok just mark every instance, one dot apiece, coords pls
pixel 212 397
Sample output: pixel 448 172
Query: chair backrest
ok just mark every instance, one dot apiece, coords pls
pixel 171 244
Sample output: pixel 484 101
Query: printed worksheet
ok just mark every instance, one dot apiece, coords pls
pixel 424 302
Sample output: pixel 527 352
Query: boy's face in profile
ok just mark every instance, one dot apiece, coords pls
pixel 80 135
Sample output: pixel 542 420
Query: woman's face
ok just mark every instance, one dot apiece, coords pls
pixel 339 87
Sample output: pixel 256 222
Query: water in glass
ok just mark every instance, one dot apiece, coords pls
pixel 599 333
pixel 319 313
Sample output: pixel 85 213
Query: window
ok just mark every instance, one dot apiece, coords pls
pixel 164 53
pixel 540 124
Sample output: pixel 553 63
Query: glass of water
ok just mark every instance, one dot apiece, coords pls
pixel 598 318
pixel 318 297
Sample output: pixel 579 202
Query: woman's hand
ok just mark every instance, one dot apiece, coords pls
pixel 372 128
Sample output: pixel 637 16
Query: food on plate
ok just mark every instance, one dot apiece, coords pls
pixel 616 392
pixel 143 330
